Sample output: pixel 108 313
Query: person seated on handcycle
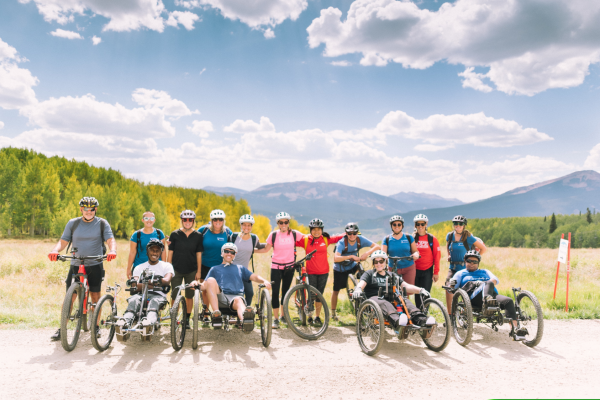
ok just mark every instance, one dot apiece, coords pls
pixel 466 279
pixel 156 296
pixel 224 285
pixel 374 279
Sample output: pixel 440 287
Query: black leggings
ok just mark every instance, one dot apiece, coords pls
pixel 423 279
pixel 506 303
pixel 390 312
pixel 280 278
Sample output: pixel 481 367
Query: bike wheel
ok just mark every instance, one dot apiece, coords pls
pixel 298 304
pixel 71 317
pixel 462 317
pixel 195 317
pixel 370 325
pixel 104 318
pixel 265 314
pixel 440 337
pixel 178 321
pixel 350 285
pixel 531 317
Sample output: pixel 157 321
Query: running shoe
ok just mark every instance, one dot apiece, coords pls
pixel 318 321
pixel 56 336
pixel 310 320
pixel 275 323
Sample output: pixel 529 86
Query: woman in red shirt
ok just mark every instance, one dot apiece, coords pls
pixel 317 267
pixel 428 265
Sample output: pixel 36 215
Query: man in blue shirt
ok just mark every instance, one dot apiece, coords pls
pixel 224 287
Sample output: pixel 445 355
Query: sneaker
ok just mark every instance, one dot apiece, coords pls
pixel 205 314
pixel 318 321
pixel 490 301
pixel 403 320
pixel 282 320
pixel 146 322
pixel 430 321
pixel 310 320
pixel 275 324
pixel 521 334
pixel 334 317
pixel 56 336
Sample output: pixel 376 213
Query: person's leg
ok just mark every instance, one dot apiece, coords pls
pixel 133 306
pixel 154 304
pixel 248 291
pixel 239 306
pixel 176 281
pixel 321 282
pixel 449 295
pixel 507 304
pixel 189 293
pixel 340 281
pixel 211 288
pixel 388 310
pixel 276 276
pixel 286 282
pixel 203 272
pixel 408 274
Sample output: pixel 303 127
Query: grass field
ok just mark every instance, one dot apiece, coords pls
pixel 32 288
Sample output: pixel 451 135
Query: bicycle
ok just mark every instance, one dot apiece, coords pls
pixel 353 279
pixel 298 310
pixel 75 306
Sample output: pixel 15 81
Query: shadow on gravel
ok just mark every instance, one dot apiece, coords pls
pixel 60 359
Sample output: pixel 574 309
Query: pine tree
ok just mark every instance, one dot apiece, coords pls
pixel 588 216
pixel 552 224
pixel 544 218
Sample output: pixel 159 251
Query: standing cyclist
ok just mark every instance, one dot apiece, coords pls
pixel 87 234
pixel 400 245
pixel 141 238
pixel 346 260
pixel 458 242
pixel 428 265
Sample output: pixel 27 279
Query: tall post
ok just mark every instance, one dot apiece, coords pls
pixel 557 269
pixel 568 271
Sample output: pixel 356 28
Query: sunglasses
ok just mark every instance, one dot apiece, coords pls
pixel 459 224
pixel 283 223
pixel 473 261
pixel 148 218
pixel 421 224
pixel 187 219
pixel 352 233
pixel 229 252
pixel 218 219
pixel 89 208
pixel 375 262
pixel 399 224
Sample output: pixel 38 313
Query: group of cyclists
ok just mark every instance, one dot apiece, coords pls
pixel 217 260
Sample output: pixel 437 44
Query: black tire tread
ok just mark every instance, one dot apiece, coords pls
pixel 538 310
pixel 98 346
pixel 447 319
pixel 266 331
pixel 65 311
pixel 381 319
pixel 325 309
pixel 175 342
pixel 469 309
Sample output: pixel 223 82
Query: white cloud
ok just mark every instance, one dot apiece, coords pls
pixel 158 99
pixel 433 147
pixel 269 34
pixel 185 18
pixel 342 63
pixel 16 84
pixel 529 168
pixel 203 71
pixel 593 160
pixel 96 40
pixel 255 13
pixel 528 45
pixel 1 124
pixel 66 34
pixel 249 126
pixel 201 128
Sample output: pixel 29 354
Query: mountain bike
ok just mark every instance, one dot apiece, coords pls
pixel 76 305
pixel 353 279
pixel 299 304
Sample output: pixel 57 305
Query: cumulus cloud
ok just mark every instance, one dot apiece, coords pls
pixel 201 128
pixel 1 124
pixel 158 99
pixel 185 18
pixel 66 34
pixel 269 34
pixel 16 84
pixel 96 40
pixel 342 63
pixel 528 46
pixel 529 168
pixel 593 159
pixel 240 126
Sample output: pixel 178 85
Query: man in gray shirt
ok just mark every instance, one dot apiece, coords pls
pixel 87 234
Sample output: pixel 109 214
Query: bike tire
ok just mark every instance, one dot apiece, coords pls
pixel 104 317
pixel 178 320
pixel 265 313
pixel 298 323
pixel 538 325
pixel 71 317
pixel 370 326
pixel 462 317
pixel 351 278
pixel 437 342
pixel 195 321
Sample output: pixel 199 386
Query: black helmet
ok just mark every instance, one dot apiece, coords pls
pixel 472 253
pixel 351 227
pixel 459 218
pixel 155 242
pixel 88 202
pixel 316 223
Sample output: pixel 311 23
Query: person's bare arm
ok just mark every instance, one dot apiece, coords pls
pixel 60 245
pixel 337 257
pixel 170 257
pixel 165 251
pixel 481 248
pixel 132 253
pixel 415 251
pixel 411 289
pixel 199 270
pixel 374 247
pixel 259 279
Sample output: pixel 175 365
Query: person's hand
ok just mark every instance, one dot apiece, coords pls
pixel 168 242
pixel 416 255
pixel 364 257
pixel 356 294
pixel 355 258
pixel 452 282
pixel 448 258
pixel 53 256
pixel 424 292
pixel 129 270
pixel 267 285
pixel 195 283
pixel 111 256
pixel 435 278
pixel 198 275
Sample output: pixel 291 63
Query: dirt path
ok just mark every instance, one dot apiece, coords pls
pixel 227 365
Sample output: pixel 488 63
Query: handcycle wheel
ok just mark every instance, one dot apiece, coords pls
pixel 265 314
pixel 531 317
pixel 195 319
pixel 71 317
pixel 462 317
pixel 370 325
pixel 440 337
pixel 178 321
pixel 104 317
pixel 352 281
pixel 295 309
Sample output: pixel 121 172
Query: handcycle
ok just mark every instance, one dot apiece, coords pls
pixel 464 314
pixel 263 312
pixel 299 303
pixel 353 279
pixel 76 305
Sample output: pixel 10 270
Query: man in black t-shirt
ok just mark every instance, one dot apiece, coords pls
pixel 378 277
pixel 185 253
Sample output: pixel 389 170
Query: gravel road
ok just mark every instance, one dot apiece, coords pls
pixel 566 364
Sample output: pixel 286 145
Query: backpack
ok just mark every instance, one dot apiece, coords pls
pixel 450 239
pixel 358 246
pixel 410 239
pixel 273 241
pixel 159 233
pixel 234 237
pixel 203 229
pixel 76 224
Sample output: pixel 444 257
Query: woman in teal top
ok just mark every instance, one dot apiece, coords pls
pixel 139 240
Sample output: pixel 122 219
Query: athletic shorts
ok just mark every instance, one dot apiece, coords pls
pixel 450 275
pixel 95 276
pixel 178 278
pixel 340 279
pixel 318 282
pixel 204 271
pixel 226 301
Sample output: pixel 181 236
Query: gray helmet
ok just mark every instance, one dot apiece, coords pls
pixel 89 202
pixel 472 253
pixel 155 242
pixel 460 218
pixel 351 227
pixel 316 223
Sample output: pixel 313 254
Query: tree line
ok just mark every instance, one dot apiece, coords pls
pixel 39 195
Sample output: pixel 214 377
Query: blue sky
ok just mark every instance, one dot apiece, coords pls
pixel 464 100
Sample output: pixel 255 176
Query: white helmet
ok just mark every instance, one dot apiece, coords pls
pixel 217 214
pixel 396 218
pixel 420 217
pixel 187 214
pixel 230 246
pixel 283 215
pixel 246 218
pixel 379 254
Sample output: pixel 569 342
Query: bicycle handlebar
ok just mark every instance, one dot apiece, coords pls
pixel 81 258
pixel 400 258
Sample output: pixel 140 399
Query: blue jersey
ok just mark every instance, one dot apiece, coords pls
pixel 212 243
pixel 141 256
pixel 230 277
pixel 399 248
pixel 458 251
pixel 352 251
pixel 463 277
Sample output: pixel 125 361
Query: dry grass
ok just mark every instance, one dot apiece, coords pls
pixel 32 288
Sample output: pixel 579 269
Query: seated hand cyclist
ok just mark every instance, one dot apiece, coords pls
pixel 373 279
pixel 156 297
pixel 489 295
pixel 224 285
